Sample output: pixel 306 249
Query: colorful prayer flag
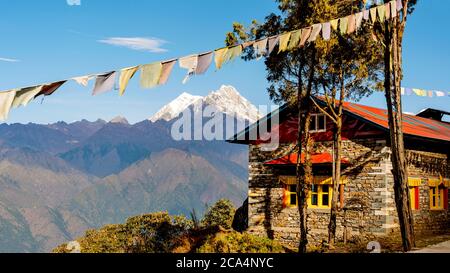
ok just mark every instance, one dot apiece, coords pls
pixel 104 83
pixel 125 75
pixel 25 95
pixel 326 31
pixel 204 62
pixel 295 39
pixel 190 63
pixel 166 70
pixel 6 100
pixel 284 41
pixel 219 57
pixel 150 75
pixel 315 32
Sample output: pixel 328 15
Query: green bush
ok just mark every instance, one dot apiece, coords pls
pixel 221 214
pixel 152 233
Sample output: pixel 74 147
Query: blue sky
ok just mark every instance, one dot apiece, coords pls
pixel 45 41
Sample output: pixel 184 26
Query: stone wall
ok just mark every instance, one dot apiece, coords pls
pixel 370 184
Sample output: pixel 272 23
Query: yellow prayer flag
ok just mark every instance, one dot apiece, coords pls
pixel 233 52
pixel 334 24
pixel 150 75
pixel 381 12
pixel 284 41
pixel 295 39
pixel 373 14
pixel 343 25
pixel 420 92
pixel 125 75
pixel 219 57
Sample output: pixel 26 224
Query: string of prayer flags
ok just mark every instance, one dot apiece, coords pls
pixel 284 41
pixel 190 63
pixel 423 93
pixel 6 100
pixel 219 57
pixel 166 70
pixel 295 39
pixel 158 73
pixel 25 95
pixel 150 75
pixel 315 32
pixel 125 76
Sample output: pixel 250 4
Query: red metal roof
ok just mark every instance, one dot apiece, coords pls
pixel 291 159
pixel 412 125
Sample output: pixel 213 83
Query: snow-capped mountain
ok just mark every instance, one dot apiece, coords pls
pixel 176 107
pixel 226 100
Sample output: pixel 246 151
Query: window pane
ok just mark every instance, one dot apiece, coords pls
pixel 321 125
pixel 315 188
pixel 325 189
pixel 314 200
pixel 293 199
pixel 325 200
pixel 312 126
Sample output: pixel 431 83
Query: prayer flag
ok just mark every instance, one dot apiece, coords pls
pixel 150 75
pixel 125 75
pixel 25 95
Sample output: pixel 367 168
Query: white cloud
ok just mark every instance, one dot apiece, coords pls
pixel 9 60
pixel 153 45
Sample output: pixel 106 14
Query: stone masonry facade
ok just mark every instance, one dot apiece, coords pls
pixel 369 186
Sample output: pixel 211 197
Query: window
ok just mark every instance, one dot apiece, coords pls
pixel 414 195
pixel 291 196
pixel 436 198
pixel 320 197
pixel 318 123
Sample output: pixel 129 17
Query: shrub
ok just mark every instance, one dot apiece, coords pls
pixel 221 214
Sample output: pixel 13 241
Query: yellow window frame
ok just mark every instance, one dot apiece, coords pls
pixel 412 193
pixel 320 197
pixel 291 193
pixel 436 198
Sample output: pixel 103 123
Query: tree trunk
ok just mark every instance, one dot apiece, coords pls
pixel 304 171
pixel 337 151
pixel 337 147
pixel 394 105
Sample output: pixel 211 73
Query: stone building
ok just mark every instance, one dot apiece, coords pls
pixel 366 195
